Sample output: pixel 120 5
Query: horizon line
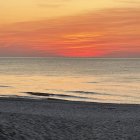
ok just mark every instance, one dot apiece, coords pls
pixel 70 57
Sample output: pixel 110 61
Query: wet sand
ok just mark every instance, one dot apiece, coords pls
pixel 31 119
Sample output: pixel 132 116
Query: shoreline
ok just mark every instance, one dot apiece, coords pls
pixel 34 99
pixel 52 119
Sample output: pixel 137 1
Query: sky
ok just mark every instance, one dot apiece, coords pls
pixel 70 28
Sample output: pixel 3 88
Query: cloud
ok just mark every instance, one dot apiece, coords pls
pixel 108 32
pixel 49 5
pixel 17 50
pixel 122 54
pixel 129 1
pixel 52 3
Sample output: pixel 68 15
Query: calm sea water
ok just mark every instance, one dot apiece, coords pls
pixel 96 80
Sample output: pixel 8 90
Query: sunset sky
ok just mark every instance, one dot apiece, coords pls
pixel 70 28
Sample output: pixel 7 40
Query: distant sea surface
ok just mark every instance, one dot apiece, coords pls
pixel 87 79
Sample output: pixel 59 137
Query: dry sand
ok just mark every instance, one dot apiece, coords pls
pixel 30 119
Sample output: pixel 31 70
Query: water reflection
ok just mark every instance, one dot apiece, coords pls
pixel 96 80
pixel 70 88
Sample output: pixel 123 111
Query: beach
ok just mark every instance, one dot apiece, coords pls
pixel 50 119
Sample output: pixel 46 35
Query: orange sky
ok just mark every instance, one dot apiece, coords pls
pixel 69 28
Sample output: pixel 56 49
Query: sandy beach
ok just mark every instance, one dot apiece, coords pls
pixel 30 119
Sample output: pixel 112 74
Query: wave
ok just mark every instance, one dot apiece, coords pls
pixel 88 92
pixel 4 86
pixel 104 94
pixel 53 95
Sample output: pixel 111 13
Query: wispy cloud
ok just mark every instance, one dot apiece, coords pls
pixel 45 5
pixel 129 1
pixel 52 3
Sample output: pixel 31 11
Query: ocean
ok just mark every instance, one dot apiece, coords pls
pixel 107 80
